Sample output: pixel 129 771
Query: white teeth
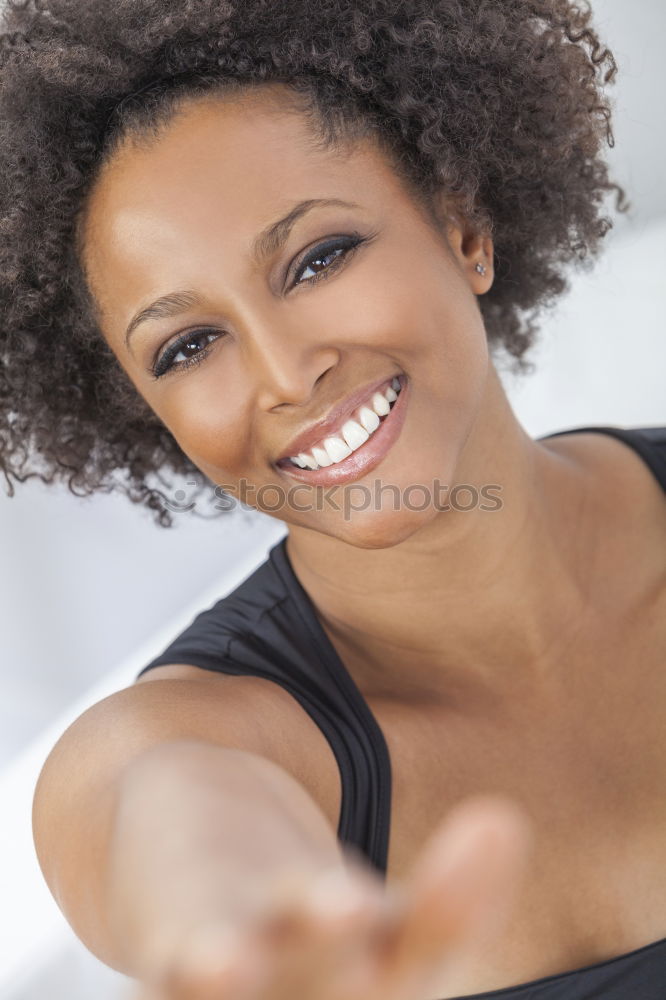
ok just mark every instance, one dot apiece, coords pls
pixel 337 449
pixel 321 456
pixel 354 434
pixel 380 404
pixel 369 419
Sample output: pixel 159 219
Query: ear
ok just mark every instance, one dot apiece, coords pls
pixel 471 248
pixel 473 252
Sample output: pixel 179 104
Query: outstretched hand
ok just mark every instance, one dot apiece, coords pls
pixel 345 936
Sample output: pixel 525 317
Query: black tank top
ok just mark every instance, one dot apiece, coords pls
pixel 267 627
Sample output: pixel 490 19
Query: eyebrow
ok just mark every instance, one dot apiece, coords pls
pixel 268 242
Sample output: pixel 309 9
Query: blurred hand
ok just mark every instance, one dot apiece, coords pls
pixel 344 935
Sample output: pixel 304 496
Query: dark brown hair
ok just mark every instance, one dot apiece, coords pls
pixel 497 102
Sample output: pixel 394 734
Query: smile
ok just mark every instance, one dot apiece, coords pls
pixel 359 445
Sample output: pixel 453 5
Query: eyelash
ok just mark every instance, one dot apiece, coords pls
pixel 347 244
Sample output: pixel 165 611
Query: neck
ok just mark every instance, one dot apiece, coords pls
pixel 474 599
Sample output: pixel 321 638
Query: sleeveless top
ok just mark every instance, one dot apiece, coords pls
pixel 267 627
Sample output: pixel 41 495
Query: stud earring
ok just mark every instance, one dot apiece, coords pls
pixel 481 268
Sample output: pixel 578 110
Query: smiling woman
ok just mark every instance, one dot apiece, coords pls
pixel 527 169
pixel 281 245
pixel 309 296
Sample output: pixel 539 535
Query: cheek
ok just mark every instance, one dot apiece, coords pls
pixel 210 429
pixel 439 337
pixel 421 307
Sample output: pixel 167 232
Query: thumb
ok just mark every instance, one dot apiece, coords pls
pixel 464 883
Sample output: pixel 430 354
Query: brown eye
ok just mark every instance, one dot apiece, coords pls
pixel 166 363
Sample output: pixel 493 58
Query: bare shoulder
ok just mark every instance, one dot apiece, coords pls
pixel 287 733
pixel 628 504
pixel 616 464
pixel 76 795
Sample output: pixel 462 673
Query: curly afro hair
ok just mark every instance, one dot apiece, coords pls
pixel 498 102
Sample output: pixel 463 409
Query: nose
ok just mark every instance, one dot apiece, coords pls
pixel 286 367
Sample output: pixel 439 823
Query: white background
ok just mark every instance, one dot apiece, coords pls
pixel 91 589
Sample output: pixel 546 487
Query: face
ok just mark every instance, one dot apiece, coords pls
pixel 363 288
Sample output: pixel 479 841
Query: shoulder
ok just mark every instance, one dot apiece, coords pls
pixel 289 735
pixel 629 478
pixel 625 511
pixel 630 457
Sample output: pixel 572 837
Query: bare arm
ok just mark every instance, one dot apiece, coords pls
pixel 199 834
pixel 175 807
pixel 166 801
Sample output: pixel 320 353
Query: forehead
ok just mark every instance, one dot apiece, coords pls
pixel 216 174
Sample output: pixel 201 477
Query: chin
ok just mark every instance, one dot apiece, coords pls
pixel 377 529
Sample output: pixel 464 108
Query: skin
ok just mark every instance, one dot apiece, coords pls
pixel 432 607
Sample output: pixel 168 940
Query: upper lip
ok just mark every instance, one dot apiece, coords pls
pixel 315 432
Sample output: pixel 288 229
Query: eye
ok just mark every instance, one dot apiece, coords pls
pixel 335 251
pixel 165 362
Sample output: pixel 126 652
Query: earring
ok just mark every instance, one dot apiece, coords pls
pixel 480 268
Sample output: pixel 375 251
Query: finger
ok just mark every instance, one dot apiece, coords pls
pixel 472 864
pixel 350 911
pixel 145 992
pixel 315 940
pixel 223 960
pixel 312 969
pixel 215 962
pixel 462 887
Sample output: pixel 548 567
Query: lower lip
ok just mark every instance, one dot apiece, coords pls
pixel 365 458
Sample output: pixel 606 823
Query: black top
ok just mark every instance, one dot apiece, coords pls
pixel 267 627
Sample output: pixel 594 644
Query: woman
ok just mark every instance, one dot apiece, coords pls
pixel 283 246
